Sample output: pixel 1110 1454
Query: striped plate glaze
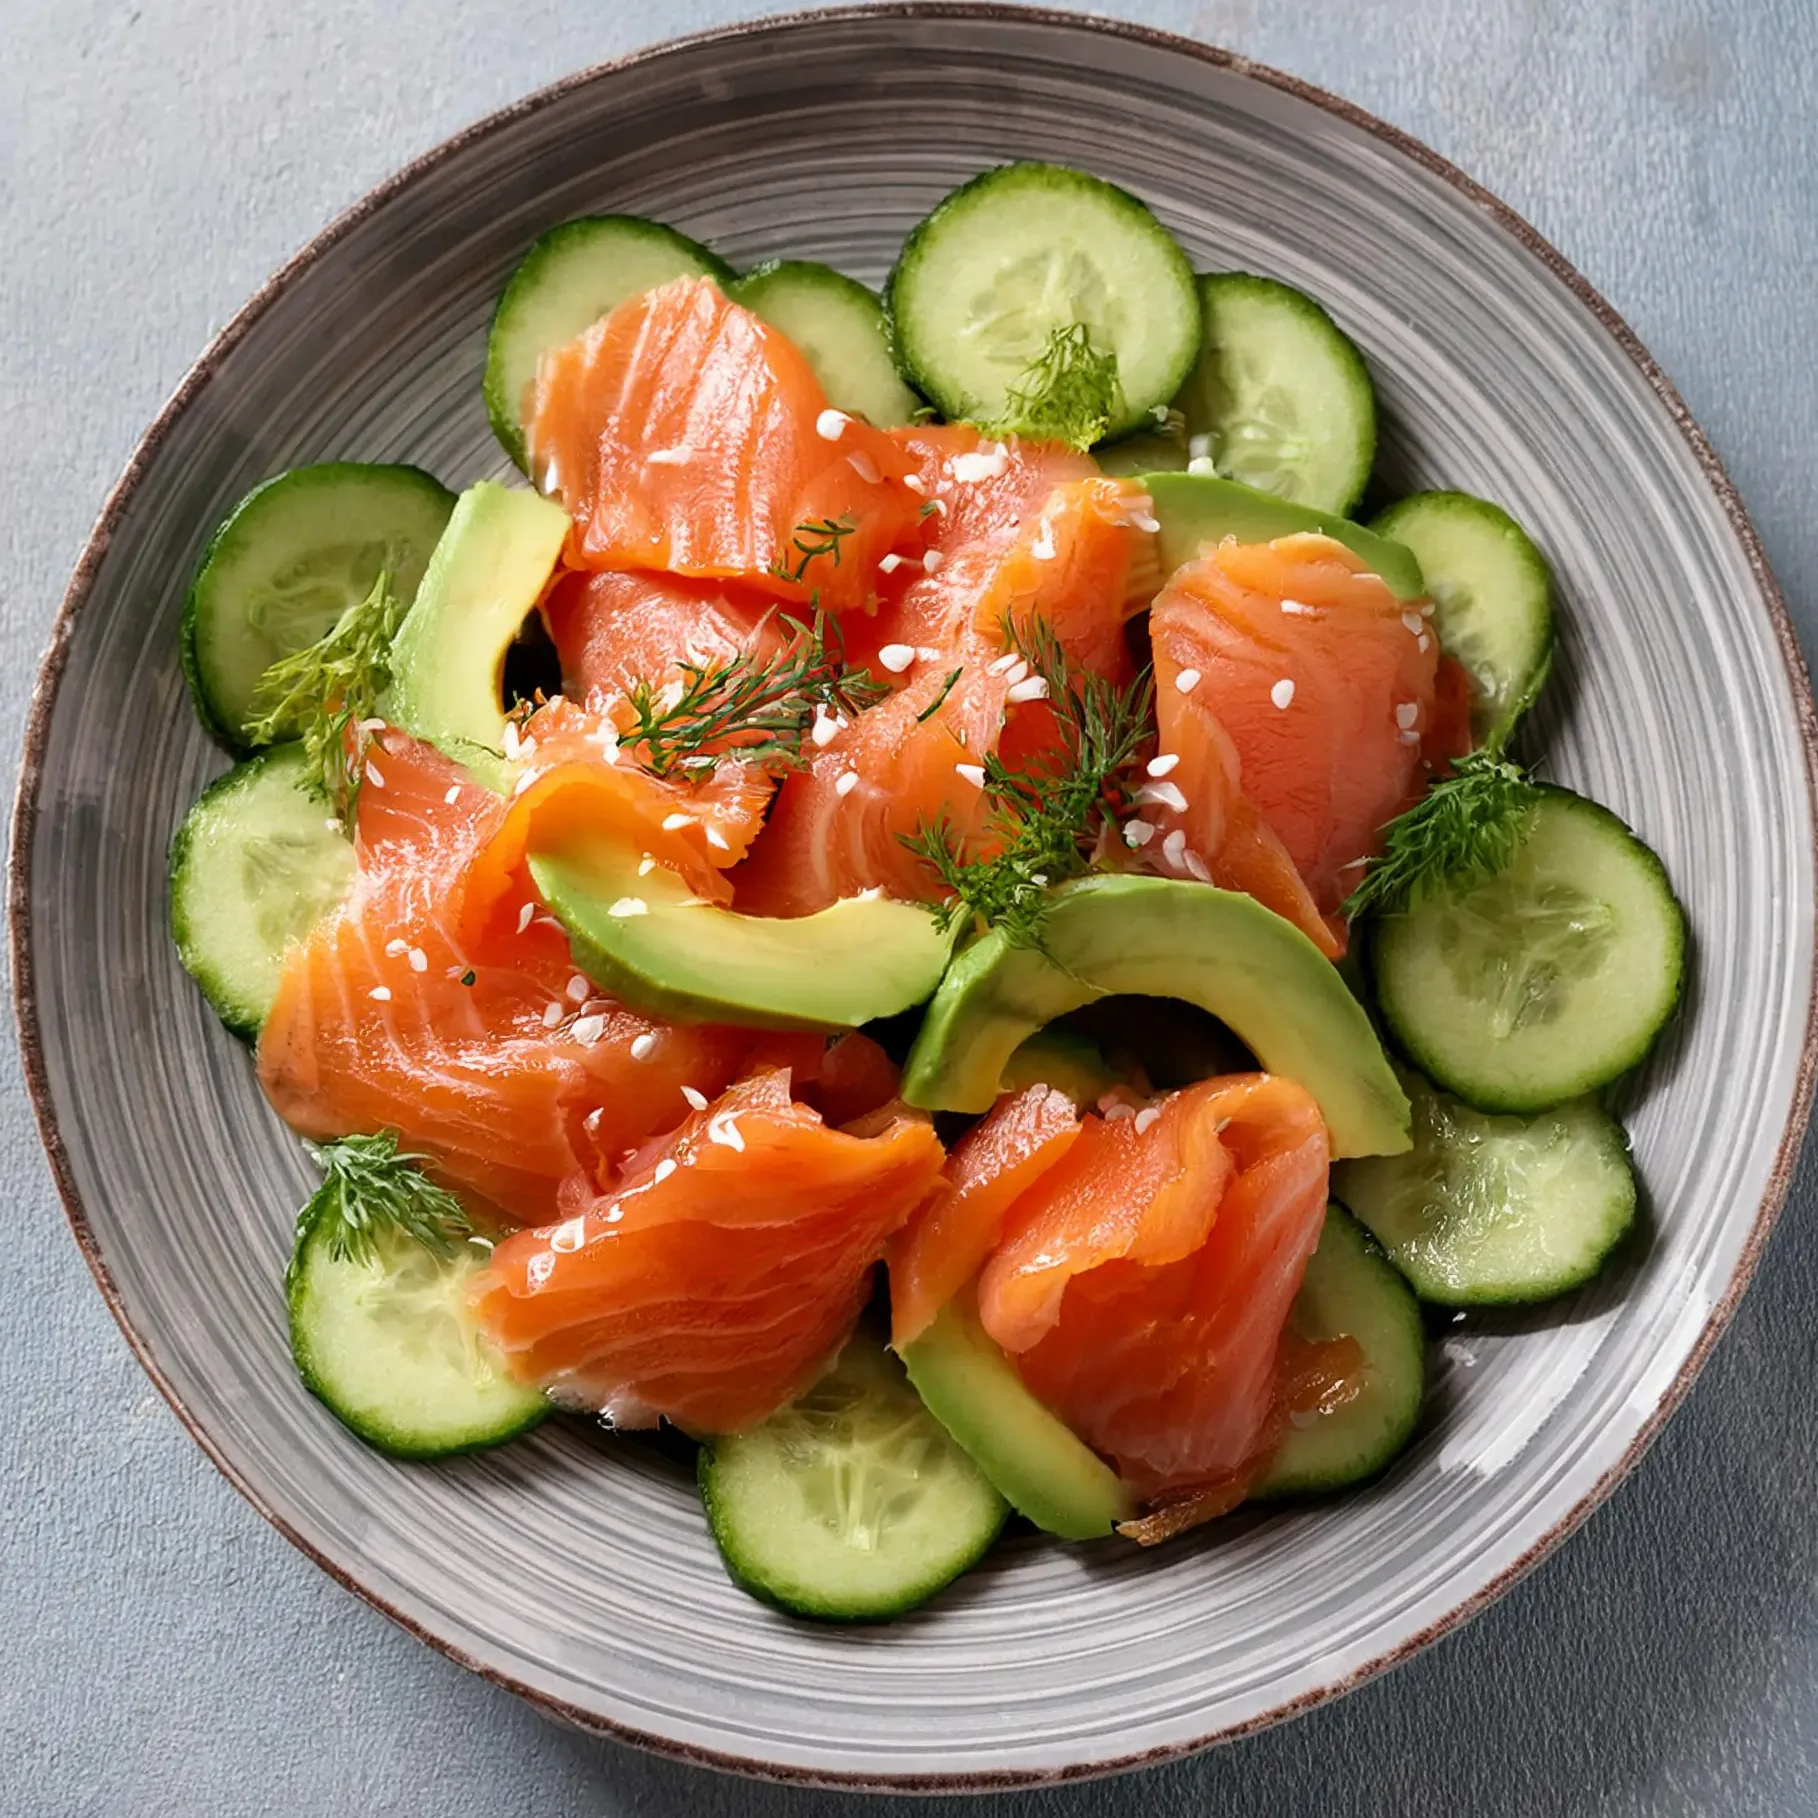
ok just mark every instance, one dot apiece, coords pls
pixel 577 1570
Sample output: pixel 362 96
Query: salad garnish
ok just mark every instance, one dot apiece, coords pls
pixel 369 1189
pixel 813 540
pixel 1068 393
pixel 322 692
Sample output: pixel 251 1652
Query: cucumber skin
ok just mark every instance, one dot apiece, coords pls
pixel 719 1526
pixel 502 412
pixel 228 738
pixel 1528 1104
pixel 918 381
pixel 381 1440
pixel 1385 524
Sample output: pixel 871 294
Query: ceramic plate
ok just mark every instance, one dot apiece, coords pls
pixel 577 1570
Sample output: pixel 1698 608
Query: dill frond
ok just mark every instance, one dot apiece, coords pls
pixel 370 1190
pixel 1068 393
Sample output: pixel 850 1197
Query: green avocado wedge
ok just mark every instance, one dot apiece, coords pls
pixel 1162 937
pixel 1073 1065
pixel 448 659
pixel 1037 1465
pixel 644 938
pixel 1198 508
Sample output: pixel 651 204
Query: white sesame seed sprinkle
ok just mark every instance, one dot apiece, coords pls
pixel 588 1030
pixel 578 989
pixel 1163 795
pixel 848 782
pixel 892 562
pixel 1030 688
pixel 526 781
pixel 1200 447
pixel 830 425
pixel 552 1013
pixel 826 728
pixel 664 1169
pixel 646 865
pixel 1423 643
pixel 914 482
pixel 380 994
pixel 1174 847
pixel 1186 681
pixel 396 949
pixel 1199 868
pixel 1201 463
pixel 863 465
pixel 1298 609
pixel 697 1101
pixel 629 905
pixel 895 658
pixel 1117 1111
pixel 524 916
pixel 932 560
pixel 514 740
pixel 1042 547
pixel 644 1046
pixel 1406 713
pixel 1138 833
pixel 1165 764
pixel 1414 622
pixel 419 960
pixel 1282 694
pixel 678 456
pixel 1409 737
pixel 373 775
pixel 1006 662
pixel 971 773
pixel 717 840
pixel 674 823
pixel 969 469
pixel 1147 1118
pixel 453 795
pixel 1145 520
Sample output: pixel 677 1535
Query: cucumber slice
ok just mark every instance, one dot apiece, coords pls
pixel 853 1504
pixel 839 326
pixel 1350 1291
pixel 1021 252
pixel 256 864
pixel 1486 1210
pixel 392 1350
pixel 1492 597
pixel 293 555
pixel 1280 397
pixel 572 276
pixel 1545 981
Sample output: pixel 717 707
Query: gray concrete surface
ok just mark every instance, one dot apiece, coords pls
pixel 161 1650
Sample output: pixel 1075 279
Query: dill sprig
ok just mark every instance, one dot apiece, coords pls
pixel 1463 830
pixel 1045 817
pixel 1068 393
pixel 758 711
pixel 812 540
pixel 370 1190
pixel 320 693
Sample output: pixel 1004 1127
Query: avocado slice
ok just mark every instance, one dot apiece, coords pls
pixel 642 936
pixel 1070 1063
pixel 1198 508
pixel 1038 1466
pixel 448 660
pixel 1163 937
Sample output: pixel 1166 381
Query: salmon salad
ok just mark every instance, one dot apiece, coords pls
pixel 943 894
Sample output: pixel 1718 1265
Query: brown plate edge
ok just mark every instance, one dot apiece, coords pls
pixel 43 702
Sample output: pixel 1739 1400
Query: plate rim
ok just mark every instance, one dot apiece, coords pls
pixel 47 686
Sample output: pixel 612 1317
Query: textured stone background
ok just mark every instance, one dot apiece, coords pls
pixel 161 1650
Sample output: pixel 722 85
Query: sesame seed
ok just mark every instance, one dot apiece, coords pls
pixel 1414 622
pixel 892 562
pixel 1201 463
pixel 1147 1118
pixel 825 729
pixel 1199 868
pixel 664 1168
pixel 896 657
pixel 674 823
pixel 1423 643
pixel 552 1014
pixel 1282 694
pixel 932 560
pixel 1117 1111
pixel 644 1046
pixel 938 505
pixel 646 865
pixel 914 482
pixel 830 425
pixel 972 773
pixel 678 456
pixel 1297 609
pixel 380 994
pixel 629 905
pixel 1030 688
pixel 1166 795
pixel 1406 713
pixel 863 465
pixel 1174 847
pixel 1186 681
pixel 1017 671
pixel 419 960
pixel 1200 447
pixel 578 989
pixel 1409 737
pixel 369 726
pixel 969 469
pixel 724 1131
pixel 373 775
pixel 526 781
pixel 1042 549
pixel 1145 520
pixel 453 795
pixel 1007 661
pixel 697 1100
pixel 395 949
pixel 332 824
pixel 1039 879
pixel 1161 766
pixel 717 840
pixel 847 783
pixel 524 916
pixel 514 740
pixel 589 1029
pixel 1138 833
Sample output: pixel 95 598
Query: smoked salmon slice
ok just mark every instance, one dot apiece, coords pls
pixel 723 1272
pixel 684 434
pixel 1000 1157
pixel 492 1056
pixel 1297 694
pixel 839 826
pixel 1143 1282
